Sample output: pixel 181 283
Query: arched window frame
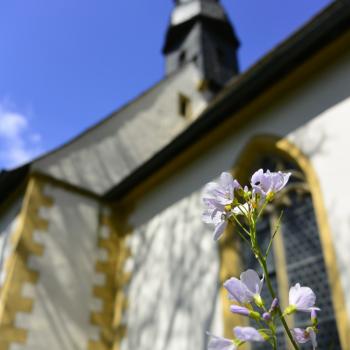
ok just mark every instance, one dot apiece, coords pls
pixel 231 264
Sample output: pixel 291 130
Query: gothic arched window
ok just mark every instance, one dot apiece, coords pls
pixel 297 254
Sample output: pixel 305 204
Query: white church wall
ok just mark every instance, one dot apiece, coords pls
pixel 315 117
pixel 101 158
pixel 62 296
pixel 174 280
pixel 9 221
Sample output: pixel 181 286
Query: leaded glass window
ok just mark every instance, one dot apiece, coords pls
pixel 301 253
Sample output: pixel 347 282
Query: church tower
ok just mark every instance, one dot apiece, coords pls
pixel 200 31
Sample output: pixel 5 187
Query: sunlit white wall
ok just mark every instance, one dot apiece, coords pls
pixel 168 232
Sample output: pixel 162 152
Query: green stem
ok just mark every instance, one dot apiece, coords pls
pixel 274 342
pixel 273 295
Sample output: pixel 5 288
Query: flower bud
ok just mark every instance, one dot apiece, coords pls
pixel 314 317
pixel 266 316
pixel 274 305
pixel 241 310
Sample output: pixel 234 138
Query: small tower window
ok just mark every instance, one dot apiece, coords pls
pixel 182 58
pixel 185 109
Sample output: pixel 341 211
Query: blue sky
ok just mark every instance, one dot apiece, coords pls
pixel 66 64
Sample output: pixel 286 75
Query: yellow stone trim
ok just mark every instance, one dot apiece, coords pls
pixel 268 144
pixel 280 262
pixel 114 301
pixel 230 266
pixel 281 274
pixel 17 270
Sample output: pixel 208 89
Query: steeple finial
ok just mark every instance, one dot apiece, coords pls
pixel 200 31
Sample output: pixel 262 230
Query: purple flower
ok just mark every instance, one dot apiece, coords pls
pixel 301 299
pixel 268 183
pixel 237 291
pixel 217 197
pixel 302 336
pixel 216 215
pixel 219 343
pixel 246 289
pixel 248 334
pixel 253 282
pixel 222 192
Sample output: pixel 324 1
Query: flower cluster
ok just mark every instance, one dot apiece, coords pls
pixel 227 198
pixel 245 293
pixel 227 201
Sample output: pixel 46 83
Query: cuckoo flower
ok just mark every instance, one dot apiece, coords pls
pixel 302 336
pixel 301 299
pixel 268 183
pixel 219 343
pixel 216 215
pixel 246 289
pixel 218 198
pixel 248 334
pixel 223 191
pixel 237 291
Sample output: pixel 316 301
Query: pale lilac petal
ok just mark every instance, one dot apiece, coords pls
pixel 241 209
pixel 226 180
pixel 300 335
pixel 307 298
pixel 220 343
pixel 281 180
pixel 313 338
pixel 237 291
pixel 256 178
pixel 302 297
pixel 221 193
pixel 266 182
pixel 252 281
pixel 293 293
pixel 248 334
pixel 218 216
pixel 240 310
pixel 219 230
pixel 210 190
pixel 207 216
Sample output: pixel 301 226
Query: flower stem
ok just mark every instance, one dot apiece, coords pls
pixel 274 343
pixel 262 262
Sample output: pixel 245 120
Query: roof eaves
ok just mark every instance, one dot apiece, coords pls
pixel 321 30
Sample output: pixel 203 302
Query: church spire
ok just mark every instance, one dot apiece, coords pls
pixel 200 31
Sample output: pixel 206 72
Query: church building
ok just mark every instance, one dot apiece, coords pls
pixel 102 245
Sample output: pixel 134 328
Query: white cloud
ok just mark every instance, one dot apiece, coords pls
pixel 18 143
